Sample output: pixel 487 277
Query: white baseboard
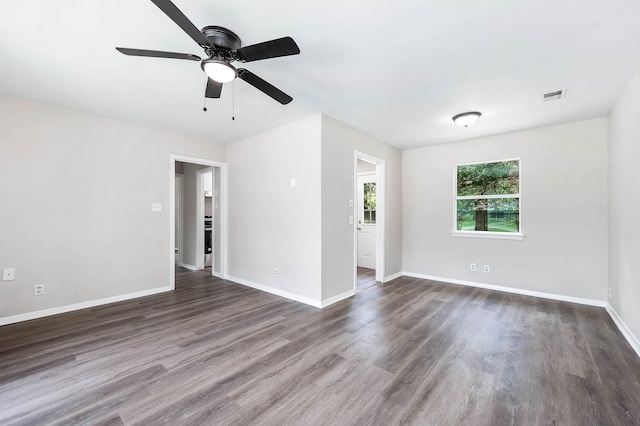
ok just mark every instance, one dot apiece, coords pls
pixel 277 292
pixel 82 305
pixel 191 267
pixel 393 277
pixel 560 297
pixel 335 299
pixel 293 296
pixel 626 332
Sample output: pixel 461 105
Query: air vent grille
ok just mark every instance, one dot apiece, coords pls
pixel 554 95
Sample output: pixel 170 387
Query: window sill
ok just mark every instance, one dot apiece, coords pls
pixel 490 235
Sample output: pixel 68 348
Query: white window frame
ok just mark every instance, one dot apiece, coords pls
pixel 486 234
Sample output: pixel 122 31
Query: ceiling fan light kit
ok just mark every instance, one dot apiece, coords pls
pixel 466 119
pixel 222 47
pixel 219 70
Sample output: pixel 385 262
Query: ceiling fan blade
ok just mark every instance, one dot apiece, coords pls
pixel 157 54
pixel 213 89
pixel 183 22
pixel 264 87
pixel 284 46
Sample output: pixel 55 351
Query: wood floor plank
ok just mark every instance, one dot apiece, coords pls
pixel 409 351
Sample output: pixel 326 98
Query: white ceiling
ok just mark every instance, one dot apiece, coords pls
pixel 396 70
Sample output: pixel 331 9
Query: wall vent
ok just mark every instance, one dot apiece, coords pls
pixel 554 95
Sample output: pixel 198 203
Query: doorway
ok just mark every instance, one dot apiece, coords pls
pixel 369 224
pixel 198 214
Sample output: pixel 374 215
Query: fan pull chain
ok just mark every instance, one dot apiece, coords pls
pixel 204 99
pixel 233 101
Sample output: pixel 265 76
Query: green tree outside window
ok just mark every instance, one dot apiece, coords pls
pixel 488 196
pixel 369 207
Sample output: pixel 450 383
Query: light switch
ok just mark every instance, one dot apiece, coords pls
pixel 293 181
pixel 350 220
pixel 8 274
pixel 156 207
pixel 351 202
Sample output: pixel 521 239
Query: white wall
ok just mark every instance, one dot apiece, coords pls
pixel 563 208
pixel 339 142
pixel 76 191
pixel 271 223
pixel 624 207
pixel 75 214
pixel 303 231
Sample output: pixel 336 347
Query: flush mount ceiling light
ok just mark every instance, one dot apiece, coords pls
pixel 466 119
pixel 219 70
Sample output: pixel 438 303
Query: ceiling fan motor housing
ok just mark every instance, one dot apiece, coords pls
pixel 224 40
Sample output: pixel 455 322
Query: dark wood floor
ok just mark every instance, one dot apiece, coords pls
pixel 409 351
pixel 366 278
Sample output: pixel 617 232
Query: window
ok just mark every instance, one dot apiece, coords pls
pixel 369 207
pixel 487 201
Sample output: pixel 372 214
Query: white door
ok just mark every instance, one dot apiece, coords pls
pixel 367 221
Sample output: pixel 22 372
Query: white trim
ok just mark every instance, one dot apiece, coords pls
pixel 277 292
pixel 82 305
pixel 562 298
pixel 293 296
pixel 199 221
pixel 178 199
pixel 489 235
pixel 486 197
pixel 626 332
pixel 489 161
pixel 222 208
pixel 186 265
pixel 393 277
pixel 338 298
pixel 200 200
pixel 381 213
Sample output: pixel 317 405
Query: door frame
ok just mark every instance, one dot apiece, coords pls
pixel 222 209
pixel 200 215
pixel 380 215
pixel 179 241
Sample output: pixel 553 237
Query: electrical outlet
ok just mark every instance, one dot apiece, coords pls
pixel 8 274
pixel 275 272
pixel 473 267
pixel 486 268
pixel 38 289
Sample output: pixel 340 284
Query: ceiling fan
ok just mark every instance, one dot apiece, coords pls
pixel 222 47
